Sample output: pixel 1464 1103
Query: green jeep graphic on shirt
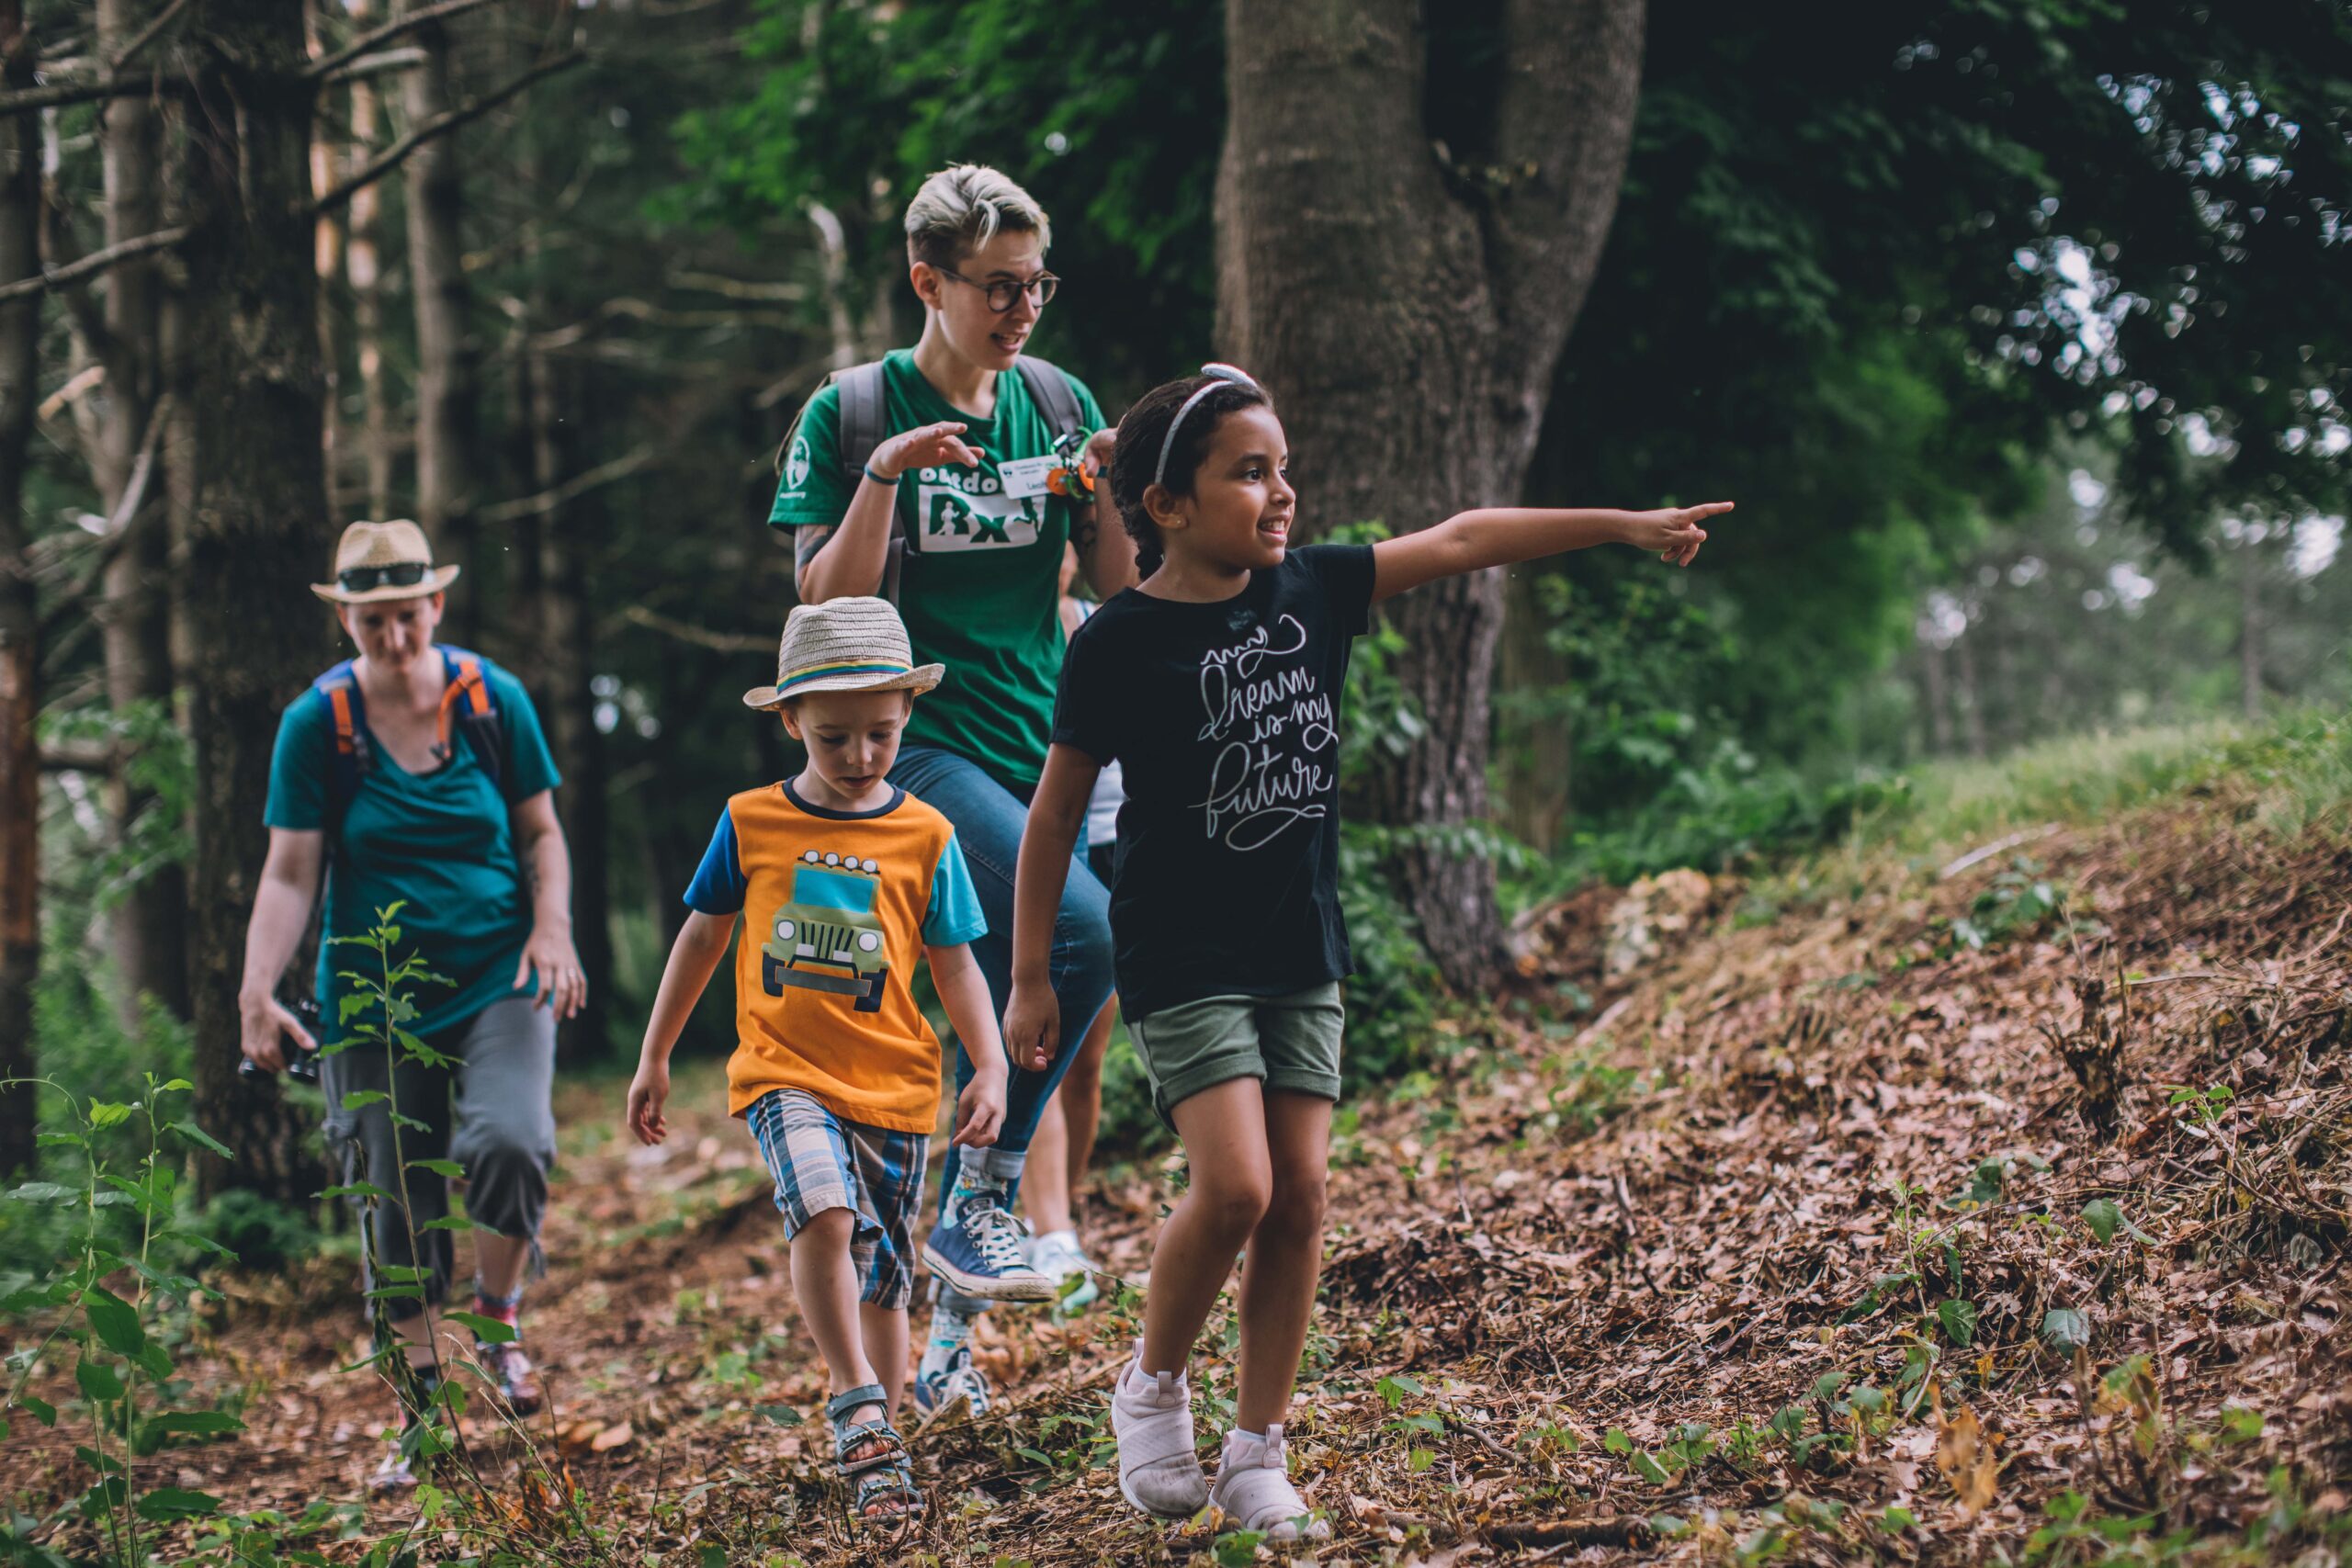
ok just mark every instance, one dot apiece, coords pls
pixel 828 937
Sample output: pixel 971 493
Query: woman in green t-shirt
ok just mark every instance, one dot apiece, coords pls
pixel 964 504
pixel 418 774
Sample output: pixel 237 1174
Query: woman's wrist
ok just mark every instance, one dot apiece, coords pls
pixel 880 479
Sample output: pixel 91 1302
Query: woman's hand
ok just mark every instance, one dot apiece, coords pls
pixel 562 984
pixel 648 1093
pixel 932 446
pixel 1033 1022
pixel 261 1025
pixel 1674 532
pixel 979 1109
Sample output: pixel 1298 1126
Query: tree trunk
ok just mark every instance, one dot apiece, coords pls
pixel 447 471
pixel 259 532
pixel 149 935
pixel 1931 671
pixel 362 263
pixel 1972 695
pixel 2250 629
pixel 1438 305
pixel 19 608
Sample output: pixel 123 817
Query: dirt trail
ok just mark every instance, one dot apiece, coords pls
pixel 1821 1183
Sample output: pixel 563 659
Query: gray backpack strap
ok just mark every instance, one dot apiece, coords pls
pixel 861 423
pixel 1050 390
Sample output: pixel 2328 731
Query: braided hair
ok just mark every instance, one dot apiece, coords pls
pixel 1144 430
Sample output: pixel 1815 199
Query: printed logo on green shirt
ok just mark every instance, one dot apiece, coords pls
pixel 796 464
pixel 961 512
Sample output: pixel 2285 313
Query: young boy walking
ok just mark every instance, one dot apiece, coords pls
pixel 846 879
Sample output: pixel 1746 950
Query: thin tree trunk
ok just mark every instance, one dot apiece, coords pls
pixel 363 262
pixel 2250 629
pixel 1370 289
pixel 447 470
pixel 259 532
pixel 19 607
pixel 149 935
pixel 1972 695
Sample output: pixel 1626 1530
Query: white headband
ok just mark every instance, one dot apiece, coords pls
pixel 1218 374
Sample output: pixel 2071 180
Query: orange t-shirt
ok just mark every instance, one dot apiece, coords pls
pixel 838 907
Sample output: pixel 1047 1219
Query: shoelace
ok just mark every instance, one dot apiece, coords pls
pixel 994 1234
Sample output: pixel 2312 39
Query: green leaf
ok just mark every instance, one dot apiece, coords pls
pixel 711 1557
pixel 201 1139
pixel 97 1380
pixel 1392 1390
pixel 1238 1549
pixel 360 1098
pixel 350 1006
pixel 456 1222
pixel 358 1190
pixel 114 1320
pixel 1896 1519
pixel 1034 1457
pixel 194 1424
pixel 44 1193
pixel 2240 1424
pixel 105 1113
pixel 173 1503
pixel 447 1168
pixel 1616 1441
pixel 1649 1469
pixel 2066 1328
pixel 154 1360
pixel 1959 1319
pixel 1984 1187
pixel 41 1410
pixel 1827 1386
pixel 1419 1459
pixel 2104 1217
pixel 782 1415
pixel 488 1330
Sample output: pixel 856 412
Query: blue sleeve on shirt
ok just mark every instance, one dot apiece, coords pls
pixel 298 766
pixel 528 766
pixel 719 885
pixel 955 914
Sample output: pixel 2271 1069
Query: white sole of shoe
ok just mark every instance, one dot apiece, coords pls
pixel 1141 1506
pixel 986 1287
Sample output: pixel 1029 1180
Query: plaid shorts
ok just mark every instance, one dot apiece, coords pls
pixel 822 1162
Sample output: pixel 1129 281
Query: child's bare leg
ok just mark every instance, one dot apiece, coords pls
pixel 884 1330
pixel 1284 1257
pixel 1044 1181
pixel 1223 1129
pixel 824 1280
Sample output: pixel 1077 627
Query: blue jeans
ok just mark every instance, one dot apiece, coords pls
pixel 989 819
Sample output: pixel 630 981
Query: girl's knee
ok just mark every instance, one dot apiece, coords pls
pixel 1297 1202
pixel 1234 1203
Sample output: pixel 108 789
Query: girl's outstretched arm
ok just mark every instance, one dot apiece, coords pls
pixel 1502 535
pixel 1031 1017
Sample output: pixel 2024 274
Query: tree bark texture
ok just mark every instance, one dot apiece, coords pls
pixel 363 265
pixel 447 467
pixel 1407 313
pixel 150 926
pixel 259 532
pixel 19 609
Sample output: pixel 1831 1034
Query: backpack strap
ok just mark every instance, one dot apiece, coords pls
pixel 470 707
pixel 859 429
pixel 1050 390
pixel 350 752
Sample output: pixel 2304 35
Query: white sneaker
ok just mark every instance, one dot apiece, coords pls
pixel 1056 1255
pixel 1254 1489
pixel 1151 1414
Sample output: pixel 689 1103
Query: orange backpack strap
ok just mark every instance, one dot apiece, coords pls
pixel 467 704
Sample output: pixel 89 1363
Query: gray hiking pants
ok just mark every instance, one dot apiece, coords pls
pixel 501 1133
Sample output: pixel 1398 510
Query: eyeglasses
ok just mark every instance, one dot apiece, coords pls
pixel 1002 293
pixel 403 574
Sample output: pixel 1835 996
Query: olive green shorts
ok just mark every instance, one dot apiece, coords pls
pixel 1288 1042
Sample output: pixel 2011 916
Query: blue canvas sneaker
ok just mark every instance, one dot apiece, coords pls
pixel 976 1248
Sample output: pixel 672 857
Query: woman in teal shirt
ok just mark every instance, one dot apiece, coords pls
pixel 420 776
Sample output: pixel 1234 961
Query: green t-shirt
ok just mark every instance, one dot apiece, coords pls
pixel 980 586
pixel 441 842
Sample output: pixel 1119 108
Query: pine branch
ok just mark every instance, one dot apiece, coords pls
pixel 375 65
pixel 391 157
pixel 148 34
pixel 578 485
pixel 95 262
pixel 321 68
pixel 59 94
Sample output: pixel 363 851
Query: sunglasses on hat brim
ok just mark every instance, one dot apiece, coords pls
pixel 366 579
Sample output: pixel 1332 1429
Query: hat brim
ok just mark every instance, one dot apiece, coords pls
pixel 919 680
pixel 439 578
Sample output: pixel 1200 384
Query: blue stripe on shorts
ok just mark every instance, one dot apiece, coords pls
pixel 820 1161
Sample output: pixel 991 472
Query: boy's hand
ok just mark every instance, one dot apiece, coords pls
pixel 1674 532
pixel 647 1092
pixel 1033 1021
pixel 931 446
pixel 979 1109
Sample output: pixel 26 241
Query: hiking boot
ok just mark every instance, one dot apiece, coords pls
pixel 976 1248
pixel 1056 1255
pixel 945 1376
pixel 511 1373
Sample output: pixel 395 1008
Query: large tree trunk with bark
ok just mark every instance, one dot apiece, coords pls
pixel 363 265
pixel 149 926
pixel 19 609
pixel 1407 310
pixel 448 466
pixel 259 532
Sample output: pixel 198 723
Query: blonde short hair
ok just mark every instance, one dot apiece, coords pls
pixel 964 207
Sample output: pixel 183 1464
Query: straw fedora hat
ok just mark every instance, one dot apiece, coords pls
pixel 377 561
pixel 844 645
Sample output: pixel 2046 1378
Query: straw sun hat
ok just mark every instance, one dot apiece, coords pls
pixel 377 561
pixel 843 644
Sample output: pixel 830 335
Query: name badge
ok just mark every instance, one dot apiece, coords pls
pixel 1026 476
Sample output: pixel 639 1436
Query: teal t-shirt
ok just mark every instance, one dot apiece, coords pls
pixel 980 586
pixel 440 842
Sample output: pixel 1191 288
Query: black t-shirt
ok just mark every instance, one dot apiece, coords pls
pixel 1225 719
